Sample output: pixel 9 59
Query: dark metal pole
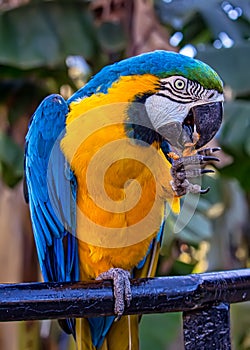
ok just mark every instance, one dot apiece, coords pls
pixel 37 301
pixel 207 328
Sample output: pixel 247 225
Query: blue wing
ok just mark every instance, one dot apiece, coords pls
pixel 51 192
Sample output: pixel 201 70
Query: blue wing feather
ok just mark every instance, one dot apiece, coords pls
pixel 157 239
pixel 99 327
pixel 51 194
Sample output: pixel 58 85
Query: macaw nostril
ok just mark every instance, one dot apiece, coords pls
pixel 207 119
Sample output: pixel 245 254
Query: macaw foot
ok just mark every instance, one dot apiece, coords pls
pixel 122 288
pixel 184 168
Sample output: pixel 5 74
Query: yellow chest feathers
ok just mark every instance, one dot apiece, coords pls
pixel 122 186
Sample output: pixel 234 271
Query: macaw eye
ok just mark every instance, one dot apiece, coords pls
pixel 179 84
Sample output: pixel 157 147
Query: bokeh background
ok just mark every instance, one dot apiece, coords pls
pixel 55 46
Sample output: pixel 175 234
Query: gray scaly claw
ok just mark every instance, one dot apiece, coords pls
pixel 122 288
pixel 192 166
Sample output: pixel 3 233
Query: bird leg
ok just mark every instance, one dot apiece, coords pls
pixel 187 167
pixel 122 287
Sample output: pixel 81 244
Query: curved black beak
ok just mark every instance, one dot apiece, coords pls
pixel 207 119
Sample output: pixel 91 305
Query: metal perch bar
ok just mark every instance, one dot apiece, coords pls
pixel 37 301
pixel 207 328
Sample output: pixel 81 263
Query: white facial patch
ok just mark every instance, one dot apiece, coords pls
pixel 162 111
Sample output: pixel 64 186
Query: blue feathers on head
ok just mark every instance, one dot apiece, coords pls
pixel 159 63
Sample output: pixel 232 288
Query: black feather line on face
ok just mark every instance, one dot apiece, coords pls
pixel 139 127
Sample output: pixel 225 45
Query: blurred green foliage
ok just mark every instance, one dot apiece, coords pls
pixel 55 29
pixel 35 41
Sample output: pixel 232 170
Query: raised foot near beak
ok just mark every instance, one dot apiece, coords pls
pixel 192 166
pixel 122 287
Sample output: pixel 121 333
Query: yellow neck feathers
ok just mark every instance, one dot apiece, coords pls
pixel 122 91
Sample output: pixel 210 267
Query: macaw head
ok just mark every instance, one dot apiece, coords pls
pixel 180 98
pixel 189 100
pixel 186 106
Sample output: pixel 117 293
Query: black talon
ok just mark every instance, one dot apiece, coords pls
pixel 205 191
pixel 206 171
pixel 210 158
pixel 208 151
pixel 216 149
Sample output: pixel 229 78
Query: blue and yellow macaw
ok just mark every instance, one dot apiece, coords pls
pixel 101 167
